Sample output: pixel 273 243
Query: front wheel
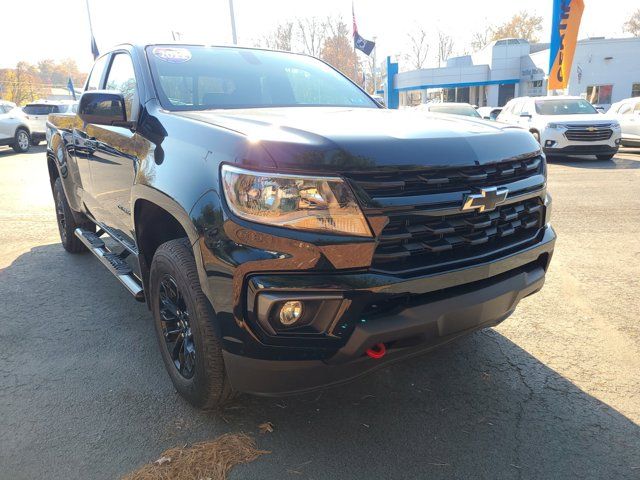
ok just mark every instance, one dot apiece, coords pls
pixel 22 141
pixel 605 157
pixel 67 223
pixel 536 135
pixel 184 324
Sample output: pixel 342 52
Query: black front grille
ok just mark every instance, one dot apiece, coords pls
pixel 412 241
pixel 588 134
pixel 439 180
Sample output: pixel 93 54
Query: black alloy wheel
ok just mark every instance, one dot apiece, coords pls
pixel 60 216
pixel 176 329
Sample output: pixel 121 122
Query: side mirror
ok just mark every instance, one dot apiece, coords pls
pixel 600 109
pixel 103 107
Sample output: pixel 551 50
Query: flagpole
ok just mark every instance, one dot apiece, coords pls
pixel 373 72
pixel 233 23
pixel 355 54
pixel 89 15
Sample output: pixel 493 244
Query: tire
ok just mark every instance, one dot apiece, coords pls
pixel 34 142
pixel 536 135
pixel 606 157
pixel 184 324
pixel 67 222
pixel 22 141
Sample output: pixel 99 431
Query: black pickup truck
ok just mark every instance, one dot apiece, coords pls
pixel 286 231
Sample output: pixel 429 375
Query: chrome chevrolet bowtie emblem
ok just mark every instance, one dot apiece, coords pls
pixel 591 129
pixel 487 199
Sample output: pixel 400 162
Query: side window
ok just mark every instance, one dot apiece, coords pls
pixel 517 108
pixel 93 83
pixel 122 78
pixel 625 109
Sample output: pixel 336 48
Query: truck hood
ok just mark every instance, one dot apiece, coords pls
pixel 347 139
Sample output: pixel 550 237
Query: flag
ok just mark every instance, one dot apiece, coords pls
pixel 564 34
pixel 70 88
pixel 94 47
pixel 360 43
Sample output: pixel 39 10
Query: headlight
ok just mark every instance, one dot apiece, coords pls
pixel 615 126
pixel 555 125
pixel 323 204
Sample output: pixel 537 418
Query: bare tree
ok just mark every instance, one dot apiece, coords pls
pixel 312 32
pixel 632 25
pixel 281 38
pixel 418 49
pixel 480 39
pixel 445 47
pixel 521 25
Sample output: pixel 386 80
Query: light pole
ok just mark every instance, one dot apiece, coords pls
pixel 233 23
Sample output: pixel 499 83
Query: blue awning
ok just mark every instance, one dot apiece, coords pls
pixel 510 81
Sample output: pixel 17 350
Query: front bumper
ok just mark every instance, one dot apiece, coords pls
pixel 438 308
pixel 555 142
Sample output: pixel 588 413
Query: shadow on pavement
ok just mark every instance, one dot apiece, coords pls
pixel 617 163
pixel 84 387
pixel 8 151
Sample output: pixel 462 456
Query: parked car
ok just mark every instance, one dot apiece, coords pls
pixel 285 231
pixel 565 125
pixel 451 108
pixel 489 113
pixel 627 112
pixel 37 113
pixel 14 129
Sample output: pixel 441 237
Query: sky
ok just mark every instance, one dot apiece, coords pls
pixel 59 29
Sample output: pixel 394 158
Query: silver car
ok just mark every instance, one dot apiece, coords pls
pixel 14 128
pixel 627 112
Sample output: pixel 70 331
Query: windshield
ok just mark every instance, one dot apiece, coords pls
pixel 466 110
pixel 200 78
pixel 573 106
pixel 40 109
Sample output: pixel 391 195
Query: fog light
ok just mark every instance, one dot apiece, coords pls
pixel 290 313
pixel 549 143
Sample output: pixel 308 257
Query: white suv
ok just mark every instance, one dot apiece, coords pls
pixel 38 112
pixel 565 125
pixel 14 130
pixel 627 112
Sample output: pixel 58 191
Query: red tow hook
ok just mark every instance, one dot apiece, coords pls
pixel 377 351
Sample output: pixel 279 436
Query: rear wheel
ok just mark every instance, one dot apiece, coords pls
pixel 22 141
pixel 67 222
pixel 605 157
pixel 184 325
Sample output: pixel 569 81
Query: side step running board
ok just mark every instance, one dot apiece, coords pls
pixel 114 263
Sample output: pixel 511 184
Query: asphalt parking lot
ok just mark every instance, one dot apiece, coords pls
pixel 553 392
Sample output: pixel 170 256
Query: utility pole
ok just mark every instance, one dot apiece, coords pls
pixel 233 23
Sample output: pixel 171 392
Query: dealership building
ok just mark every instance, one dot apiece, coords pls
pixel 604 71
